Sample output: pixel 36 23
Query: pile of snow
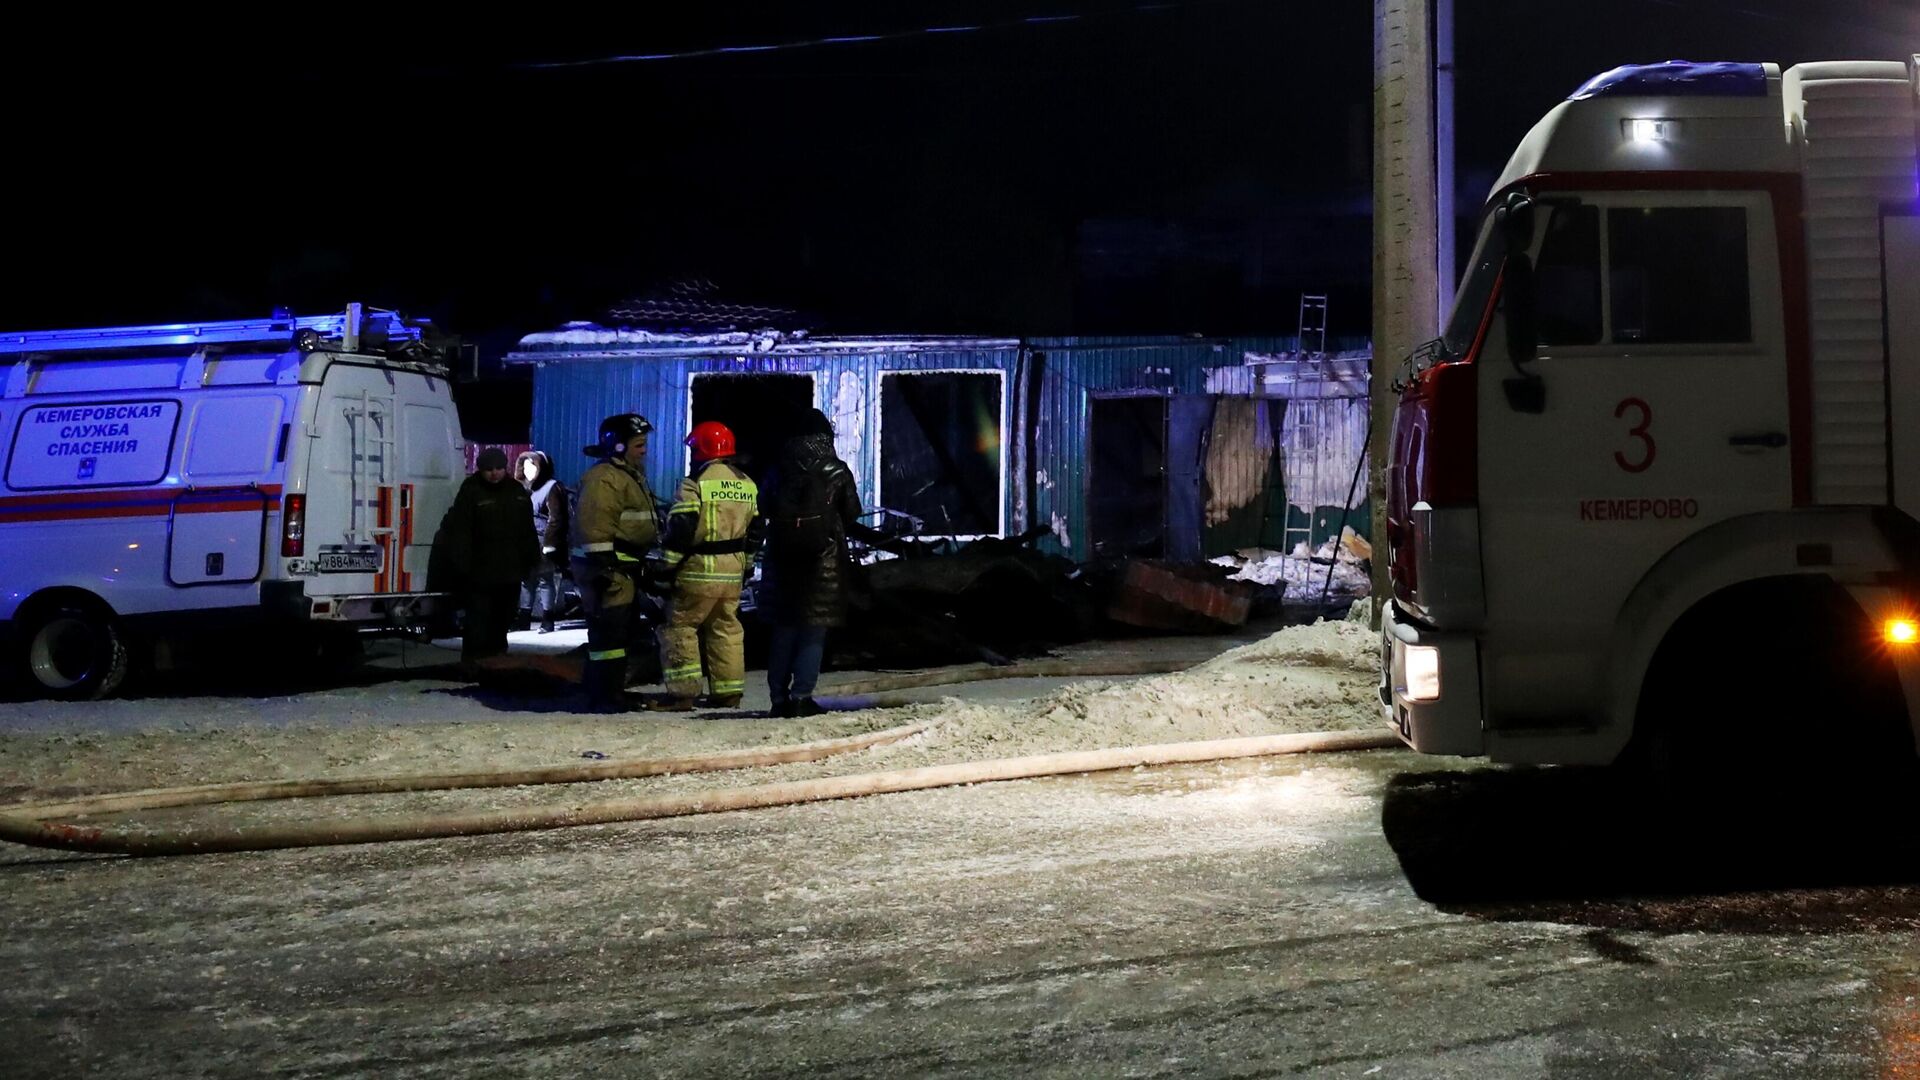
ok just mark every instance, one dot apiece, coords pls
pixel 1304 678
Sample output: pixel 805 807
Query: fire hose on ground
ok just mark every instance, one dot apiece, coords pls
pixel 35 824
pixel 30 825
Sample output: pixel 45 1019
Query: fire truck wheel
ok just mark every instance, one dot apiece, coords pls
pixel 1773 691
pixel 75 653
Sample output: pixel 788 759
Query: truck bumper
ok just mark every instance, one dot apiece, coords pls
pixel 288 600
pixel 1437 711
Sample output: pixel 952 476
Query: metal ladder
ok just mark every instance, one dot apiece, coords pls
pixel 1304 431
pixel 372 428
pixel 1313 324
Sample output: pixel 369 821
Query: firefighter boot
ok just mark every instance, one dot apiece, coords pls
pixel 603 682
pixel 669 703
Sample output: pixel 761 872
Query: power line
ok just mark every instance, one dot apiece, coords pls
pixel 921 33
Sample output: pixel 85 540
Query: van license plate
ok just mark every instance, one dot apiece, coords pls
pixel 349 562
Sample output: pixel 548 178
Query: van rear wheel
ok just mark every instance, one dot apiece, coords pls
pixel 75 653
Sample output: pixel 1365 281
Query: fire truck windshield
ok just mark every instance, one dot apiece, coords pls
pixel 1470 305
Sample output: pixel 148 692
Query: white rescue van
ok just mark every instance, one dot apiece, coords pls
pixel 173 484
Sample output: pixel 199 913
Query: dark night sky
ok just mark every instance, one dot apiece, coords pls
pixel 1191 168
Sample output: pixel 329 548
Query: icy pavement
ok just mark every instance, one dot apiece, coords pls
pixel 1358 915
pixel 1362 915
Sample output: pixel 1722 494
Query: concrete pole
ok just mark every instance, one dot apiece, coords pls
pixel 1405 238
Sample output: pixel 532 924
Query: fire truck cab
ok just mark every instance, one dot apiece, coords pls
pixel 1666 453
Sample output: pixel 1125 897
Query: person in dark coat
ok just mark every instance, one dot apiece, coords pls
pixel 489 550
pixel 812 506
pixel 551 525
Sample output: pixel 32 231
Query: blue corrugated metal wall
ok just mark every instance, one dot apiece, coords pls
pixel 571 396
pixel 1076 370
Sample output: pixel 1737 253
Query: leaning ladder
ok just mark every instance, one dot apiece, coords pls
pixel 1304 424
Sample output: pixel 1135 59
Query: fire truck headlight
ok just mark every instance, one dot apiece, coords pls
pixel 1901 632
pixel 1423 673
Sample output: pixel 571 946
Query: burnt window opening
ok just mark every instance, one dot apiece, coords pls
pixel 1678 275
pixel 940 449
pixel 760 410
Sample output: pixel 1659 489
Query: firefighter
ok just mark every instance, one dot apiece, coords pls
pixel 713 530
pixel 614 526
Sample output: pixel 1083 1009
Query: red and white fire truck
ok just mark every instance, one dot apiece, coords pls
pixel 1658 483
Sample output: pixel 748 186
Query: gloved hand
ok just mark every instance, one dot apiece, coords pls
pixel 656 579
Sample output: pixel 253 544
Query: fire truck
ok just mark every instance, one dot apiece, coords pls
pixel 1656 488
pixel 186 484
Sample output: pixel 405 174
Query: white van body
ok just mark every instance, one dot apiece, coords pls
pixel 162 478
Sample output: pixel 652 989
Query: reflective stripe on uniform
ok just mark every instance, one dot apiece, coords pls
pixel 707 575
pixel 678 674
pixel 624 557
pixel 674 558
pixel 589 549
pixel 610 654
pixel 723 687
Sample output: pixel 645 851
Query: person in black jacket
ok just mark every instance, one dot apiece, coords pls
pixel 488 551
pixel 812 506
pixel 551 525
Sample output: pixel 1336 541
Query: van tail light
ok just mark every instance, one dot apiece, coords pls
pixel 293 526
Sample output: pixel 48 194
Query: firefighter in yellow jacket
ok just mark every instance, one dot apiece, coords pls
pixel 713 532
pixel 616 523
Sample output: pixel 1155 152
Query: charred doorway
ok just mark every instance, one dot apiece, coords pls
pixel 1146 457
pixel 760 410
pixel 1127 480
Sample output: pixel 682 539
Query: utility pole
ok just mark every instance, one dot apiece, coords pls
pixel 1444 173
pixel 1406 257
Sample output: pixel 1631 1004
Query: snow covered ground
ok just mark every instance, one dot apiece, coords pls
pixel 399 721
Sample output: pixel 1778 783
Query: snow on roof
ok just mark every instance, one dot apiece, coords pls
pixel 588 341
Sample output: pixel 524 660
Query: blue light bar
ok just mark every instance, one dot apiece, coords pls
pixel 1677 78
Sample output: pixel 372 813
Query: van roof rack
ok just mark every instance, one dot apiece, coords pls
pixel 370 327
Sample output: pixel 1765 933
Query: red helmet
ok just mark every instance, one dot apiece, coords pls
pixel 710 439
